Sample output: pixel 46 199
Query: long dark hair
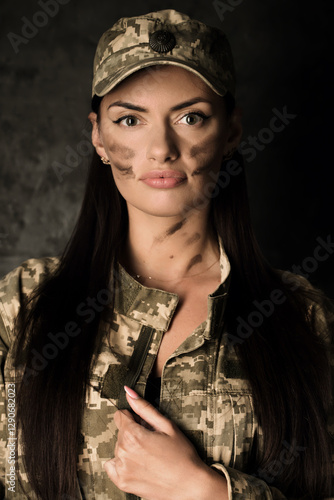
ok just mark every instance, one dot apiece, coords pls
pixel 284 360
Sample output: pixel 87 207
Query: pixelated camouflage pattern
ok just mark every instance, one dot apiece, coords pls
pixel 201 49
pixel 203 388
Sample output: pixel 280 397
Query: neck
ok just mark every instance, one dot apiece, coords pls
pixel 169 248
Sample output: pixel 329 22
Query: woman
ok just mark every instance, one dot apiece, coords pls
pixel 163 294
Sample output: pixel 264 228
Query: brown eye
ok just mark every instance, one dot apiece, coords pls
pixel 130 121
pixel 193 118
pixel 127 121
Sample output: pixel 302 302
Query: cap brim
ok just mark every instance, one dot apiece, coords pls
pixel 110 82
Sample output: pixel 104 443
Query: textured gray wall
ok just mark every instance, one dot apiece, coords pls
pixel 283 54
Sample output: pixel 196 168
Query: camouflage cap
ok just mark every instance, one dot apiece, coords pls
pixel 163 37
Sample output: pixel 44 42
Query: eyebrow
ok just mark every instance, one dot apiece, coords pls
pixel 186 104
pixel 182 105
pixel 127 105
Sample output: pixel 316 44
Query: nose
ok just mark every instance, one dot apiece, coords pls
pixel 162 146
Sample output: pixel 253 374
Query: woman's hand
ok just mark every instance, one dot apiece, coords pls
pixel 159 462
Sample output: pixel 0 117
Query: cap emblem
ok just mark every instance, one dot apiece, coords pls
pixel 162 41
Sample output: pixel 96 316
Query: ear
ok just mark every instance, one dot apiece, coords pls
pixel 96 136
pixel 234 130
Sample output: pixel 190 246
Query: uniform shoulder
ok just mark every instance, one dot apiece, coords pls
pixel 27 276
pixel 19 284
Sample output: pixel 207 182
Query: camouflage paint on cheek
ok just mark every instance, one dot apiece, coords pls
pixel 199 149
pixel 203 152
pixel 126 154
pixel 195 260
pixel 126 171
pixel 124 151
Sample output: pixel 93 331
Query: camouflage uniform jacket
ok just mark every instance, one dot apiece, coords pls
pixel 203 390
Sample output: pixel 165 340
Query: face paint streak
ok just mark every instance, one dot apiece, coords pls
pixel 170 231
pixel 126 152
pixel 126 171
pixel 201 150
pixel 200 170
pixel 175 228
pixel 193 238
pixel 198 149
pixel 195 260
pixel 203 147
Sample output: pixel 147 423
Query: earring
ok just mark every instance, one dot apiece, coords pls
pixel 229 154
pixel 105 161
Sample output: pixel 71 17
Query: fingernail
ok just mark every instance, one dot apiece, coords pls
pixel 131 392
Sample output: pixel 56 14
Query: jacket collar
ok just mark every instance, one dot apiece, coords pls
pixel 154 307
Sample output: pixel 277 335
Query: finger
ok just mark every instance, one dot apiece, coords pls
pixel 148 413
pixel 110 469
pixel 122 416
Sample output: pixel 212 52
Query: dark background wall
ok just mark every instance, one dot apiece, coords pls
pixel 283 54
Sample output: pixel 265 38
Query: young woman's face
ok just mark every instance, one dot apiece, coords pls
pixel 165 133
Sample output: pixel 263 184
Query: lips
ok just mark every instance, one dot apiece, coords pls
pixel 163 174
pixel 163 179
